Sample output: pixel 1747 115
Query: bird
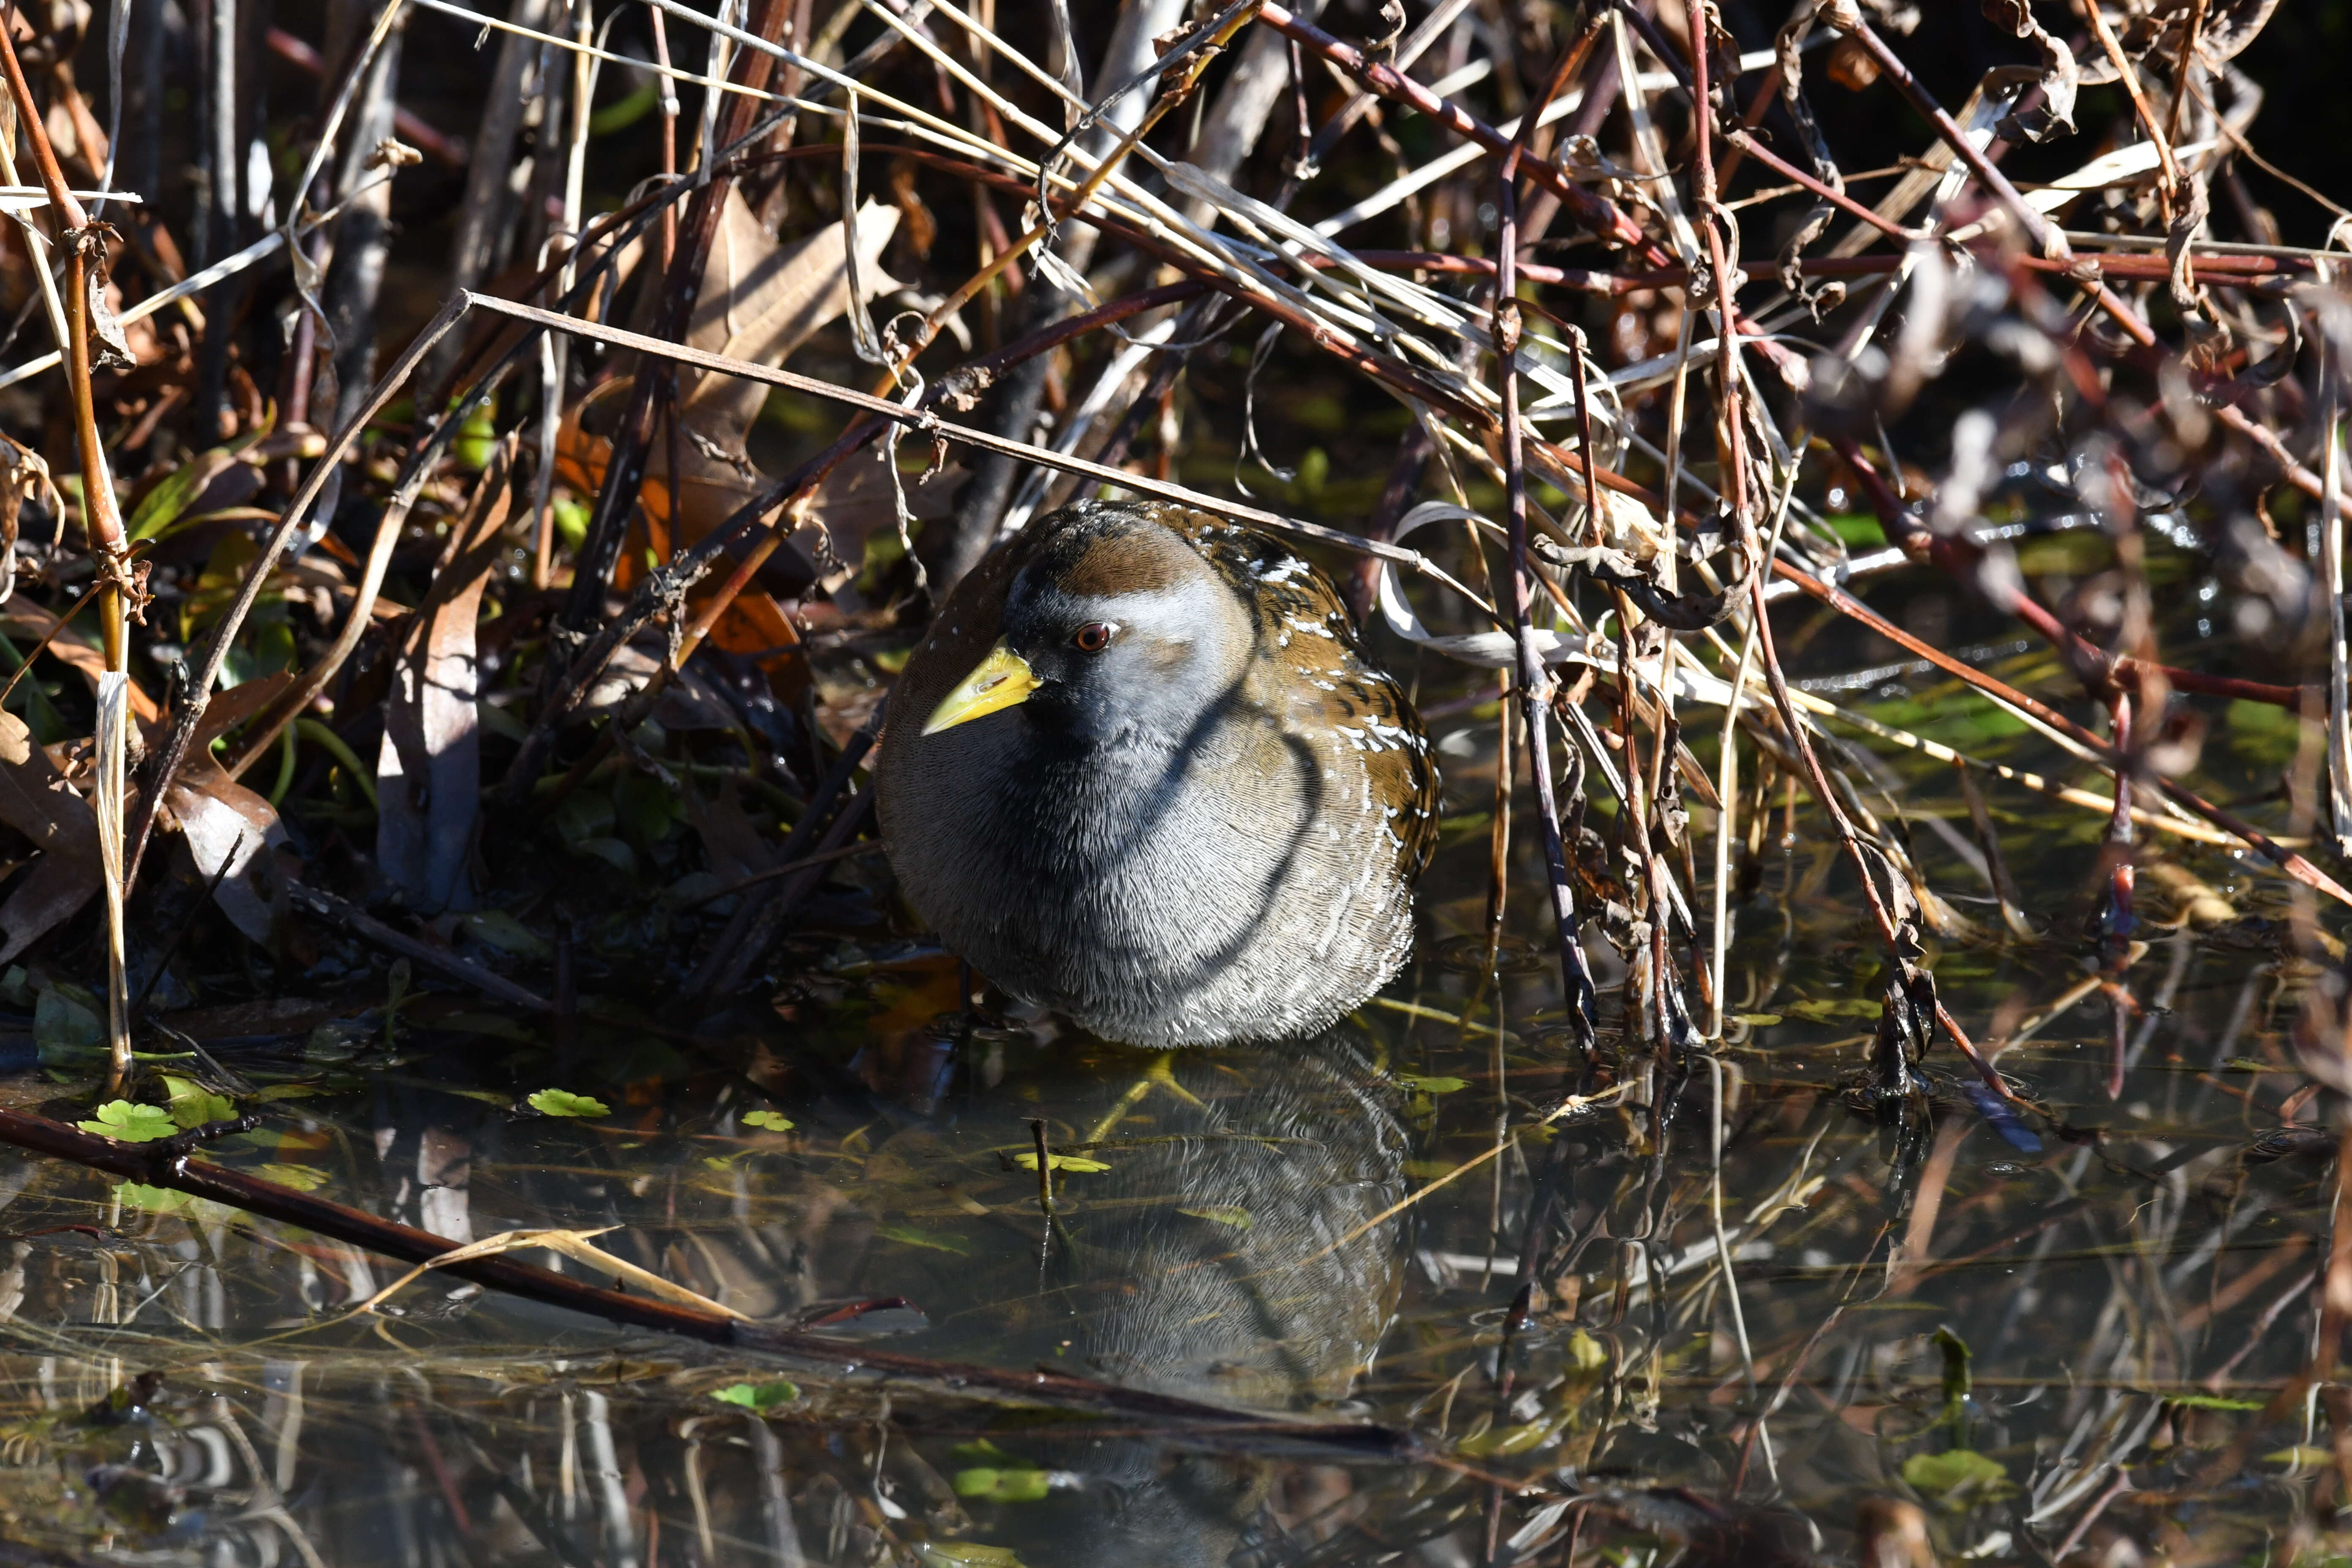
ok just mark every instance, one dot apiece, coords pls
pixel 1140 772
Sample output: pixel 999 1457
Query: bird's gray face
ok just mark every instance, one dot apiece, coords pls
pixel 1136 649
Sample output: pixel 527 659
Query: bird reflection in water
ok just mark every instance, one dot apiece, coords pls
pixel 1226 1252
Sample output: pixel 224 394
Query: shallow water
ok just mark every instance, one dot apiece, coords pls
pixel 1980 1311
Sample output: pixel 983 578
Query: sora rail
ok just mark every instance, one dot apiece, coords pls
pixel 1139 772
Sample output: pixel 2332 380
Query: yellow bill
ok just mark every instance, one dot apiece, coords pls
pixel 998 681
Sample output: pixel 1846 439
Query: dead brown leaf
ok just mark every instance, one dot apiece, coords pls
pixel 37 801
pixel 227 826
pixel 75 651
pixel 760 301
pixel 429 768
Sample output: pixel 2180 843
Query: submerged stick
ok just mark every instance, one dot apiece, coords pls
pixel 367 928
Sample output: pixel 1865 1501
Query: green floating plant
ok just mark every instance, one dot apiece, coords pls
pixel 564 1103
pixel 1024 1485
pixel 126 1121
pixel 762 1397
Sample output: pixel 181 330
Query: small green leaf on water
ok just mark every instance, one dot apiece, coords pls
pixel 128 1123
pixel 1003 1486
pixel 277 1091
pixel 1239 1219
pixel 1589 1354
pixel 756 1395
pixel 1957 1478
pixel 301 1178
pixel 1432 1085
pixel 1060 1162
pixel 194 1105
pixel 564 1103
pixel 769 1121
pixel 1759 1020
pixel 913 1237
pixel 967 1554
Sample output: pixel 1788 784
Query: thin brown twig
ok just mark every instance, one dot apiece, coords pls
pixel 2127 75
pixel 2044 236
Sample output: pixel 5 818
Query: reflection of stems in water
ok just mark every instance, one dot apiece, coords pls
pixel 1714 1213
pixel 1574 1103
pixel 775 1502
pixel 1181 1418
pixel 1726 787
pixel 1045 1169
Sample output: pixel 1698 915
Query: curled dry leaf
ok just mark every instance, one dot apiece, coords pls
pixel 227 826
pixel 760 301
pixel 2053 116
pixel 23 476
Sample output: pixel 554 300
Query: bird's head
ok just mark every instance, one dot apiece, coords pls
pixel 1114 627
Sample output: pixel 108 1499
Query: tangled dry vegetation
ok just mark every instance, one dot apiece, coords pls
pixel 520 606
pixel 607 615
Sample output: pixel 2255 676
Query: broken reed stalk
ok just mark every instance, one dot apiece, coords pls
pixel 2116 940
pixel 84 243
pixel 113 728
pixel 170 1165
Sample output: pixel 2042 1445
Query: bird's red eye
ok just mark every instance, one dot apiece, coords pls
pixel 1092 638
